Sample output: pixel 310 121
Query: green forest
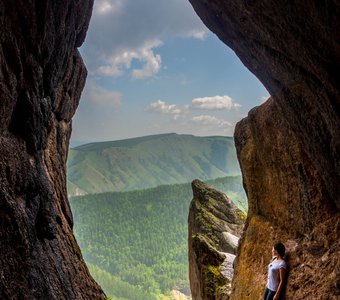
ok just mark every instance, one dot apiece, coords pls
pixel 135 243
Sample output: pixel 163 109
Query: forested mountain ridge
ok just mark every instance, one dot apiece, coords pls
pixel 137 240
pixel 149 161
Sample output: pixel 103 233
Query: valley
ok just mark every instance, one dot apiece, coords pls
pixel 130 202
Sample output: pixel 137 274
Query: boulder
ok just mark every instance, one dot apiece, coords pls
pixel 215 224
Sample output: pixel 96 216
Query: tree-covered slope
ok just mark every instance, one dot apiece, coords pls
pixel 140 237
pixel 117 288
pixel 149 161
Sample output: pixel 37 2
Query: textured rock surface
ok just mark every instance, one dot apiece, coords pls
pixel 289 147
pixel 41 79
pixel 215 224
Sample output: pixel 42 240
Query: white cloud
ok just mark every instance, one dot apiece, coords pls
pixel 98 95
pixel 264 99
pixel 152 61
pixel 210 120
pixel 214 103
pixel 162 107
pixel 198 34
pixel 116 64
pixel 113 69
pixel 135 28
pixel 102 7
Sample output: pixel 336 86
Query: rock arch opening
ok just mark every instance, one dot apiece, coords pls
pixel 291 47
pixel 200 105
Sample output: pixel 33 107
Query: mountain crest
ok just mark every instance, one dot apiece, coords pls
pixel 147 162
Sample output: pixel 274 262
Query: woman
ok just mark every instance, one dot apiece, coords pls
pixel 276 273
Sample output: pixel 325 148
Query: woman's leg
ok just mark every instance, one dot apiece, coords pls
pixel 268 294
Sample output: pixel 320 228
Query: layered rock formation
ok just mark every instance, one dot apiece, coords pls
pixel 215 225
pixel 41 79
pixel 289 147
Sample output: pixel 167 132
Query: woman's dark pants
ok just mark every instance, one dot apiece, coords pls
pixel 268 294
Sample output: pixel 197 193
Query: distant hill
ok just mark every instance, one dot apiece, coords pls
pixel 149 161
pixel 136 243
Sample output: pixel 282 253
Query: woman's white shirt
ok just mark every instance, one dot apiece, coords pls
pixel 274 274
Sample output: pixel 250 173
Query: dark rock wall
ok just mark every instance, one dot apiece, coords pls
pixel 289 147
pixel 41 79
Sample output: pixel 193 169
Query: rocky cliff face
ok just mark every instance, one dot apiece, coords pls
pixel 41 79
pixel 288 147
pixel 215 225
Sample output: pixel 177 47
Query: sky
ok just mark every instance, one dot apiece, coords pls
pixel 153 67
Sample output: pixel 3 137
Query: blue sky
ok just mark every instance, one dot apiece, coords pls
pixel 155 68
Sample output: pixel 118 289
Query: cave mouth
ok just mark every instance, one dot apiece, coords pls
pixel 43 74
pixel 213 102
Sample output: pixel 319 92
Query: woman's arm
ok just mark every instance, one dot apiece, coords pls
pixel 282 276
